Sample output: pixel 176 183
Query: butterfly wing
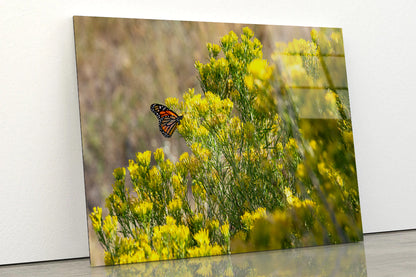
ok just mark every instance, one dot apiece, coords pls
pixel 167 125
pixel 168 119
pixel 161 111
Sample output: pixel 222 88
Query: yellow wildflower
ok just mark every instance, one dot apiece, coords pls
pixel 216 250
pixel 322 169
pixel 170 221
pixel 228 40
pixel 119 173
pixel 214 49
pixel 214 224
pixel 133 169
pixel 202 238
pixel 110 227
pixel 175 205
pixel 225 230
pixel 291 144
pixel 172 102
pixel 178 187
pixel 108 258
pixel 159 155
pixel 203 153
pixel 197 220
pixel 289 196
pixel 198 190
pixel 260 70
pixel 301 171
pixel 248 219
pixel 248 32
pixel 155 177
pixel 143 210
pixel 96 218
pixel 144 158
pixel 166 167
pixel 202 131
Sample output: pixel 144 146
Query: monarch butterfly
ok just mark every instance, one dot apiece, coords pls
pixel 168 119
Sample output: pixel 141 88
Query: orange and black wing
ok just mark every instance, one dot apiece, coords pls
pixel 168 119
pixel 167 125
pixel 162 111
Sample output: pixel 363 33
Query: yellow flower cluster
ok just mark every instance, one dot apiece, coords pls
pixel 140 167
pixel 200 152
pixel 143 159
pixel 204 248
pixel 119 173
pixel 213 49
pixel 110 227
pixel 199 191
pixel 292 227
pixel 174 208
pixel 225 231
pixel 158 223
pixel 143 210
pixel 96 218
pixel 171 240
pixel 294 201
pixel 159 155
pixel 202 114
pixel 248 219
pixel 172 102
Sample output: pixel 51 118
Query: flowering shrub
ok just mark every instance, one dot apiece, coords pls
pixel 159 223
pixel 252 180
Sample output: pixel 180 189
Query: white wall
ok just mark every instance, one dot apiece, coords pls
pixel 42 203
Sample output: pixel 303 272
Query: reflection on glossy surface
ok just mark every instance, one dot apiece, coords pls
pixel 334 260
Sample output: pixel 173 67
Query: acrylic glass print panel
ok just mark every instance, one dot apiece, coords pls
pixel 205 139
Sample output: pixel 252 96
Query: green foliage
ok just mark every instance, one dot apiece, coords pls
pixel 244 158
pixel 258 176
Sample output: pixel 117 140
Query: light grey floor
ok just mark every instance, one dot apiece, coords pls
pixel 384 254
